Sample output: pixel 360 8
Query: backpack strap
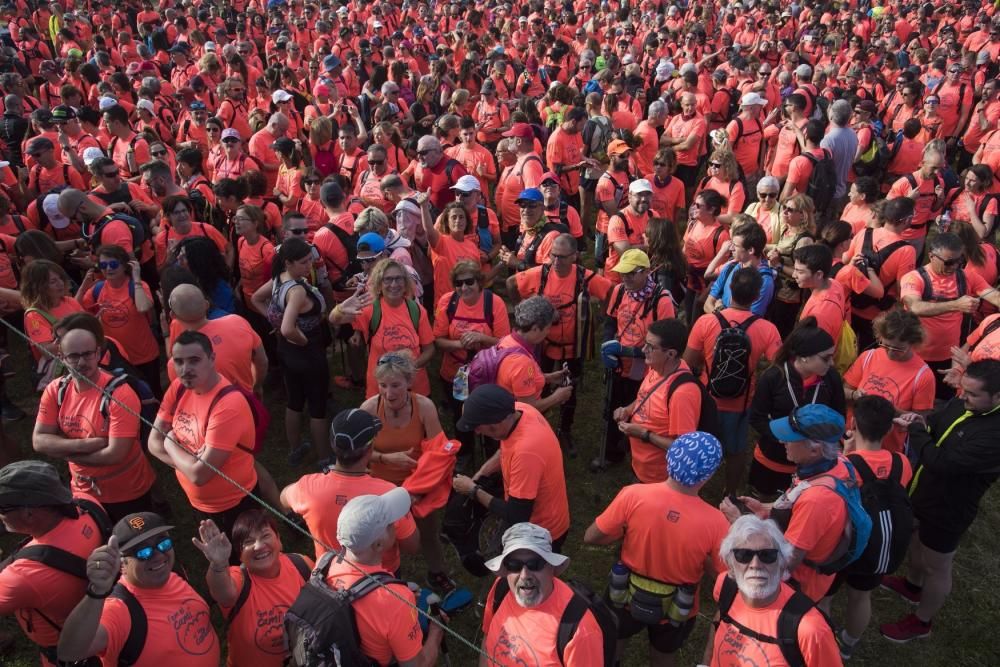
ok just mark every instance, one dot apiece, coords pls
pixel 865 471
pixel 376 321
pixel 488 307
pixel 97 513
pixel 452 306
pixel 500 592
pixel 242 598
pixel 990 328
pixel 569 622
pixel 300 565
pixel 139 626
pixel 788 628
pixel 54 557
pixel 414 310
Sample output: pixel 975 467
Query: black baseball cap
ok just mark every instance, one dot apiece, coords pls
pixel 487 404
pixel 353 430
pixel 136 528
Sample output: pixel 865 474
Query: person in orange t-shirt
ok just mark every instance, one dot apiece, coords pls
pixel 702 239
pixel 43 295
pixel 179 627
pixel 669 197
pixel 827 300
pixel 451 238
pixel 686 133
pixel 476 158
pixel 745 134
pixel 529 458
pixel 800 167
pixel 668 534
pixel 34 498
pixel 204 419
pixel 627 228
pixel 389 318
pixel 666 405
pixel 255 252
pixel 564 152
pixel 753 595
pixel 48 173
pixel 610 194
pixel 272 580
pixel 933 293
pixel 100 442
pixel 893 371
pixel 386 617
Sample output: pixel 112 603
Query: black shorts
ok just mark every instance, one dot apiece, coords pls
pixel 939 538
pixel 859 582
pixel 664 637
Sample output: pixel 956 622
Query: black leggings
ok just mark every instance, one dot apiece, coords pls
pixel 150 372
pixel 307 377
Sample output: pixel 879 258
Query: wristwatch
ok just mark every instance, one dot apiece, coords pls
pixel 646 436
pixel 475 488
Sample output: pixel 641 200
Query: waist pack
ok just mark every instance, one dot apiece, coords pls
pixel 652 601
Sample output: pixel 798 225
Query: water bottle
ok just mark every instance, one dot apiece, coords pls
pixel 682 604
pixel 460 385
pixel 945 221
pixel 618 588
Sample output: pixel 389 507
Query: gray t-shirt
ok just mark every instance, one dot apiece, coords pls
pixel 842 142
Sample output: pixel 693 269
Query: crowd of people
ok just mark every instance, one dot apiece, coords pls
pixel 768 228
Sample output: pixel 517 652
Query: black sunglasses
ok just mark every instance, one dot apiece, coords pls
pixel 661 164
pixel 536 564
pixel 158 153
pixel 766 556
pixel 948 262
pixel 465 282
pixel 717 165
pixel 299 232
pixel 767 195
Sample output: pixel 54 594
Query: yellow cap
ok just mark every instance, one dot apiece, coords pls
pixel 632 259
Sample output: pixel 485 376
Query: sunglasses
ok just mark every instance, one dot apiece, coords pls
pixel 376 163
pixel 948 262
pixel 393 279
pixel 213 130
pixel 145 553
pixel 536 564
pixel 158 153
pixel 465 282
pixel 111 264
pixel 766 556
pixel 767 195
pixel 789 209
pixel 368 260
pixel 932 102
pixel 715 165
pixel 891 348
pixel 299 232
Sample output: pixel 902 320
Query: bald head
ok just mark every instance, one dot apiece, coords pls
pixel 188 303
pixel 76 205
pixel 278 123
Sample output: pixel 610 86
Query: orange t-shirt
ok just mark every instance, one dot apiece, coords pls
pixel 517 636
pixel 785 149
pixel 257 635
pixel 532 466
pixel 320 497
pixel 565 149
pixel 255 264
pixel 680 128
pixel 41 180
pixel 28 587
pixel 632 323
pixel 625 227
pixel 653 413
pixel 169 237
pixel 702 242
pixel 732 648
pixel 880 461
pixel 746 145
pixel 386 619
pixel 39 327
pixel 395 332
pixel 561 293
pixel 180 628
pixel 765 341
pixel 898 264
pixel 816 527
pixel 800 169
pixel 80 417
pixel 830 308
pixel 233 342
pixel 541 251
pixel 332 251
pixel 668 535
pixel 943 331
pixel 467 318
pixel 922 212
pixel 908 385
pixel 119 153
pixel 668 197
pixel 611 187
pixel 984 345
pixel 260 148
pixel 445 254
pixel 229 427
pixel 115 307
pixel 858 215
pixel 520 374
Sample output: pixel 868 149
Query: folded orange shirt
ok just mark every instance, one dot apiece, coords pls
pixel 432 476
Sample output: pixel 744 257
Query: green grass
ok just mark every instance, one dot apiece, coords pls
pixel 963 632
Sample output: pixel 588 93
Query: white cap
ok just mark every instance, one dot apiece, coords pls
pixel 803 71
pixel 105 103
pixel 365 518
pixel 530 537
pixel 628 59
pixel 209 46
pixel 377 24
pixel 145 104
pixel 50 205
pixel 467 183
pixel 91 154
pixel 639 186
pixel 664 69
pixel 752 100
pixel 342 10
pixel 280 96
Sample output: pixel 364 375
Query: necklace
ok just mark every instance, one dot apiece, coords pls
pixel 397 412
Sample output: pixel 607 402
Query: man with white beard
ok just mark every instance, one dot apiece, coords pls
pixel 747 631
pixel 523 628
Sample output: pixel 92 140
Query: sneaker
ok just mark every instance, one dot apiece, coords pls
pixel 441 583
pixel 845 649
pixel 297 455
pixel 905 629
pixel 900 586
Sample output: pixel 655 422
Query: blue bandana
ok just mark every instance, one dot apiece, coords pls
pixel 693 458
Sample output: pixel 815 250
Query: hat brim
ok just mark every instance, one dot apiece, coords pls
pixel 627 267
pixel 396 503
pixel 145 536
pixel 467 425
pixel 558 561
pixel 783 431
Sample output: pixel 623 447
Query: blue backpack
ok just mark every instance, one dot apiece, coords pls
pixel 857 531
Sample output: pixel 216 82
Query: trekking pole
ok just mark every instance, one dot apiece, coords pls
pixel 600 463
pixel 434 607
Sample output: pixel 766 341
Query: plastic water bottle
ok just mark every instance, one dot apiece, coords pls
pixel 683 603
pixel 460 385
pixel 945 222
pixel 618 588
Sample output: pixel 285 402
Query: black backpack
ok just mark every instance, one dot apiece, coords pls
pixel 823 180
pixel 350 243
pixel 789 619
pixel 888 504
pixel 875 260
pixel 583 600
pixel 963 288
pixel 148 404
pixel 729 374
pixel 708 419
pixel 320 625
pixel 92 234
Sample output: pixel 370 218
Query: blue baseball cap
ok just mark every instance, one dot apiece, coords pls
pixel 693 458
pixel 331 62
pixel 530 194
pixel 371 242
pixel 810 422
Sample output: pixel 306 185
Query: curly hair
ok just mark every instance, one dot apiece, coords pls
pixel 377 277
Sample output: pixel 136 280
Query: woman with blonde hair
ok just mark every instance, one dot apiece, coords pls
pixel 459 102
pixel 388 318
pixel 723 176
pixel 795 228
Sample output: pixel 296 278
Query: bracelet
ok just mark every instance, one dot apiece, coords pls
pixel 475 488
pixel 218 570
pixel 94 595
pixel 647 436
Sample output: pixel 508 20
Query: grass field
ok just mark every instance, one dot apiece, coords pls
pixel 963 632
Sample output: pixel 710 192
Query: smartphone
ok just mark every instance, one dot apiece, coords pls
pixel 740 505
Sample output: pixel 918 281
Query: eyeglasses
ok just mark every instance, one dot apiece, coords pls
pixel 714 165
pixel 376 163
pixel 77 357
pixel 745 556
pixel 536 564
pixel 891 348
pixel 145 553
pixel 948 262
pixel 767 195
pixel 109 174
pixel 299 232
pixel 213 130
pixel 311 181
pixel 111 264
pixel 465 282
pixel 157 153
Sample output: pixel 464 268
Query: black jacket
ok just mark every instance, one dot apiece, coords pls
pixel 771 400
pixel 956 475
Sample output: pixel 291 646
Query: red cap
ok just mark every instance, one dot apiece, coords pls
pixel 549 176
pixel 522 130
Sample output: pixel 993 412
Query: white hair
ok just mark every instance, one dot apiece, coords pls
pixel 746 527
pixel 769 182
